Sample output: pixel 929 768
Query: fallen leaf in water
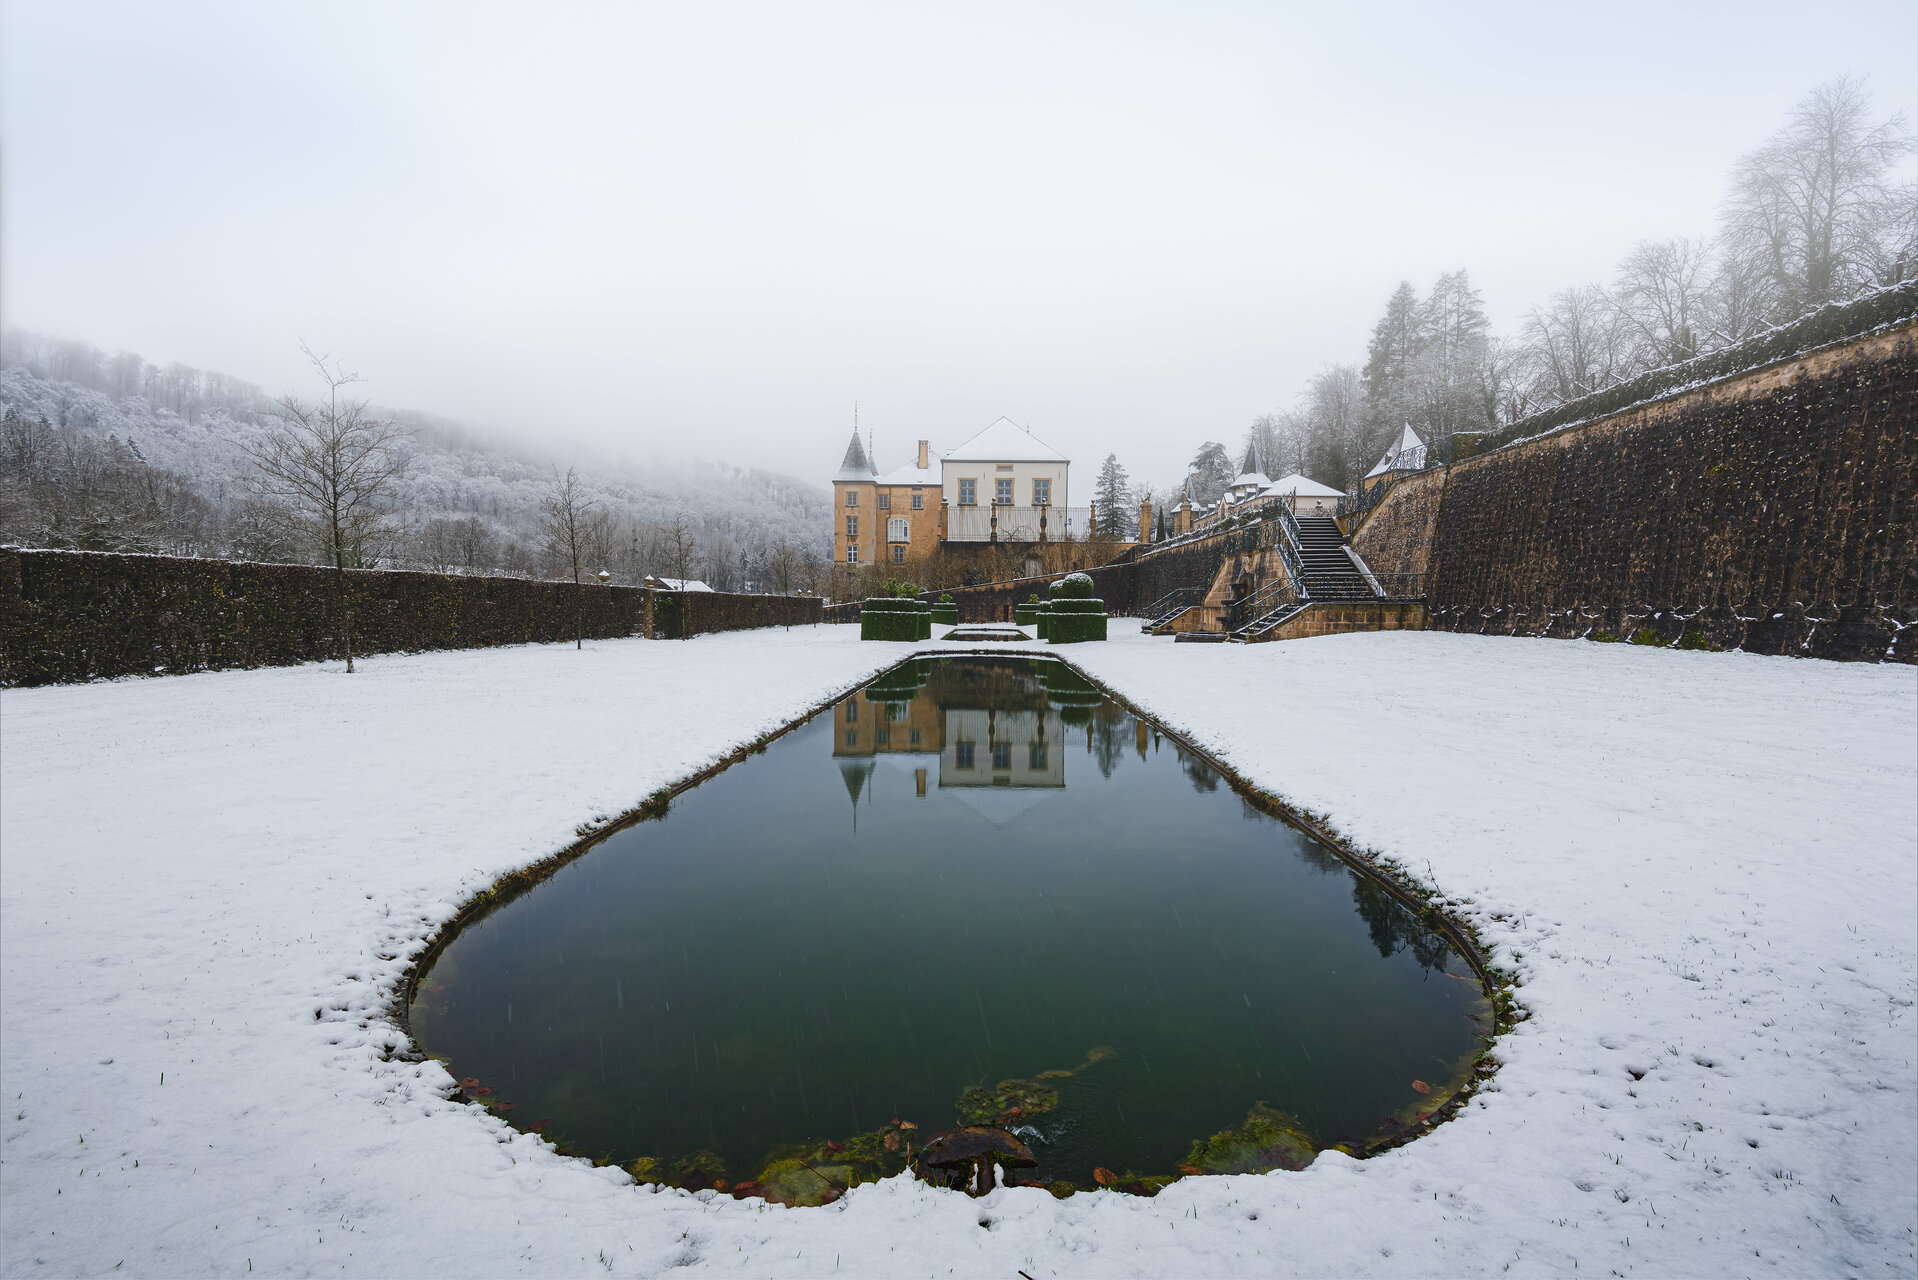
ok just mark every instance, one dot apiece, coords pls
pixel 1104 1176
pixel 892 1141
pixel 504 1106
pixel 907 1124
pixel 1421 1086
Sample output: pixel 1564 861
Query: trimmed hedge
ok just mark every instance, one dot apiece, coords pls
pixel 895 618
pixel 1074 620
pixel 76 615
pixel 945 615
pixel 681 615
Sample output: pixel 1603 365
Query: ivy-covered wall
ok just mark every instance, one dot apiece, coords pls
pixel 1776 511
pixel 1127 586
pixel 68 615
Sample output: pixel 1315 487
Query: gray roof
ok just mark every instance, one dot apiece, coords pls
pixel 856 466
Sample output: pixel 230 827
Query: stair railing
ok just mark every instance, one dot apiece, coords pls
pixel 1170 603
pixel 1273 596
pixel 1291 547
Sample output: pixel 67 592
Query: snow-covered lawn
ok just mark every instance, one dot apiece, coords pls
pixel 1701 865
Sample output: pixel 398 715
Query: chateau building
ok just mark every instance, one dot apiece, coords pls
pixel 1001 485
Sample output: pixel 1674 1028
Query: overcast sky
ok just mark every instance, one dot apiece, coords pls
pixel 706 230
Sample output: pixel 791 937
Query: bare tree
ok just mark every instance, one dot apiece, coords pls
pixel 1339 435
pixel 1815 209
pixel 782 567
pixel 1573 344
pixel 1660 293
pixel 567 530
pixel 334 463
pixel 677 546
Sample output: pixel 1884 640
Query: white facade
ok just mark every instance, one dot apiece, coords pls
pixel 1007 471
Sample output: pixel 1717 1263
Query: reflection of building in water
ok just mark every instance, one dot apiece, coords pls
pixel 987 748
pixel 865 725
pixel 996 744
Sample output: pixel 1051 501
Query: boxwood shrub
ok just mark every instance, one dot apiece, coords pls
pixel 1073 620
pixel 891 618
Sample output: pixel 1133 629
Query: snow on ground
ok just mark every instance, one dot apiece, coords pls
pixel 1701 866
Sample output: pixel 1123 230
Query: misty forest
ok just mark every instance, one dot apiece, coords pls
pixel 110 453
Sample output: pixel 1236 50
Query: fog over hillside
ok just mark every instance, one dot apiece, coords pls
pixel 109 452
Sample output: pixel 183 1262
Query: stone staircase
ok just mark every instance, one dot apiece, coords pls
pixel 1329 572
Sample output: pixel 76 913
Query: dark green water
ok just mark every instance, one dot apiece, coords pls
pixel 977 870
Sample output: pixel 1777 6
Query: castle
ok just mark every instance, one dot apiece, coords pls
pixel 1003 485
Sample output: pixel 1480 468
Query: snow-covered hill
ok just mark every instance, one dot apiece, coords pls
pixel 195 426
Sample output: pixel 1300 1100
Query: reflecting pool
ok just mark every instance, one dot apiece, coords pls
pixel 976 892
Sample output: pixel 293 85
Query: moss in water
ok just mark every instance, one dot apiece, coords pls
pixel 798 1181
pixel 1268 1140
pixel 819 1173
pixel 1011 1100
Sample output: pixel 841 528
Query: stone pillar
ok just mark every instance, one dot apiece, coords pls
pixel 647 616
pixel 1145 519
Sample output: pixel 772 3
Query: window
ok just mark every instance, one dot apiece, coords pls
pixel 914 737
pixel 1042 493
pixel 852 554
pixel 898 553
pixel 1002 493
pixel 968 493
pixel 898 529
pixel 852 497
pixel 962 754
pixel 1036 756
pixel 1002 755
pixel 852 737
pixel 918 501
pixel 852 711
pixel 882 736
pixel 885 501
pixel 1004 466
pixel 852 526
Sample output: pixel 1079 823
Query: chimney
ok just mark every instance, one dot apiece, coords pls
pixel 924 449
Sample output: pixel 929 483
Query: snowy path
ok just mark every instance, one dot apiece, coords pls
pixel 1702 865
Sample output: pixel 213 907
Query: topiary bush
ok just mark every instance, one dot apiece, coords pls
pixel 1074 586
pixel 895 618
pixel 1073 620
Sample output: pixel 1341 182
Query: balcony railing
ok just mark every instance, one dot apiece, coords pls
pixel 1016 524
